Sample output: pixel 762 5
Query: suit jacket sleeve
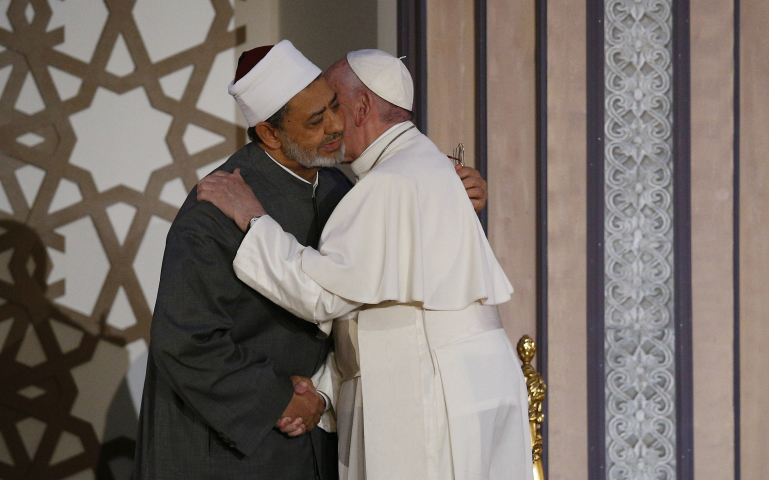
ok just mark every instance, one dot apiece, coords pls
pixel 327 380
pixel 235 389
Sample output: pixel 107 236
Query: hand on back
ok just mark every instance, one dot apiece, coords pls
pixel 229 193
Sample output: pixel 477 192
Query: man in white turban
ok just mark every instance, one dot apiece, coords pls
pixel 224 360
pixel 431 387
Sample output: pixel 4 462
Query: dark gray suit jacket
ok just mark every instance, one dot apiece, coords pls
pixel 221 354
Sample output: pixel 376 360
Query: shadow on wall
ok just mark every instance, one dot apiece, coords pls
pixel 65 405
pixel 326 30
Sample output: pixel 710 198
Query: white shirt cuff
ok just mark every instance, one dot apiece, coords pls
pixel 327 400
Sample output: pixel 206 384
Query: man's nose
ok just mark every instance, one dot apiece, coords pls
pixel 336 123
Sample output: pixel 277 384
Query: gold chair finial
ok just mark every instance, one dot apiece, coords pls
pixel 526 348
pixel 536 395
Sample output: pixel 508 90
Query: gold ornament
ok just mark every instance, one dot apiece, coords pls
pixel 535 396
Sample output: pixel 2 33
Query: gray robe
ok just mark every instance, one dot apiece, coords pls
pixel 221 354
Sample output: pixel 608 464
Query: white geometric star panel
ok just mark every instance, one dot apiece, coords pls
pixel 107 117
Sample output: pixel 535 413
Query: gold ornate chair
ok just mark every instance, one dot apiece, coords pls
pixel 535 396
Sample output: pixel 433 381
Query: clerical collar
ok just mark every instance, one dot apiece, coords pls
pixel 315 182
pixel 366 161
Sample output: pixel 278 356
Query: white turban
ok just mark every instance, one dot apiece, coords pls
pixel 275 79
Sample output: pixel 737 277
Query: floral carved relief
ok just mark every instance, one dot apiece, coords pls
pixel 639 328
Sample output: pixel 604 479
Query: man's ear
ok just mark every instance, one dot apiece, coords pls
pixel 269 135
pixel 364 108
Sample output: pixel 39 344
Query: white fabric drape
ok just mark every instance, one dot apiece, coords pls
pixel 440 394
pixel 407 233
pixel 469 398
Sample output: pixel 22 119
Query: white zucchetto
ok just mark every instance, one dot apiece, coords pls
pixel 275 78
pixel 385 75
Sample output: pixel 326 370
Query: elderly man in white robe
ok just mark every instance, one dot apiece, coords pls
pixel 405 278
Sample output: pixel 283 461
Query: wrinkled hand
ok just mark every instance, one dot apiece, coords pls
pixel 475 186
pixel 229 193
pixel 305 409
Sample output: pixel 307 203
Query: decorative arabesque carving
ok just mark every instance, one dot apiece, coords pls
pixel 639 328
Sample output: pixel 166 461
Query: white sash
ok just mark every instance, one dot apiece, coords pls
pixel 395 445
pixel 389 339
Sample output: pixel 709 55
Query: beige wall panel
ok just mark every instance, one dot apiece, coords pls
pixel 711 56
pixel 387 26
pixel 754 239
pixel 567 408
pixel 451 75
pixel 326 30
pixel 262 23
pixel 511 155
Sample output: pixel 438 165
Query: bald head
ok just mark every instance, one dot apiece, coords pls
pixel 367 116
pixel 346 83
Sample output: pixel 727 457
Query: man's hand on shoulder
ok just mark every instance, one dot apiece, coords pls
pixel 475 186
pixel 305 409
pixel 229 193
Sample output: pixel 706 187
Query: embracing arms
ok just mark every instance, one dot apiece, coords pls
pixel 236 199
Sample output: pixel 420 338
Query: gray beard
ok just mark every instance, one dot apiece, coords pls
pixel 309 158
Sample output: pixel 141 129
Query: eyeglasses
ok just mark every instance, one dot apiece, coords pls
pixel 458 155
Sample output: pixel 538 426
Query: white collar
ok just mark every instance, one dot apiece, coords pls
pixel 366 160
pixel 315 182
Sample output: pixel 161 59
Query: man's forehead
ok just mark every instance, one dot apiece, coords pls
pixel 317 95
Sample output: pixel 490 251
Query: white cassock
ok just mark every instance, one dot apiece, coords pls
pixel 430 385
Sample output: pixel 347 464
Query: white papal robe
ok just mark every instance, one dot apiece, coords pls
pixel 430 384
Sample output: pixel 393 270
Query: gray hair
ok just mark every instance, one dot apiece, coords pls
pixel 389 114
pixel 275 120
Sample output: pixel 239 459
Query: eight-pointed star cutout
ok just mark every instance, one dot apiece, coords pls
pixel 121 139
